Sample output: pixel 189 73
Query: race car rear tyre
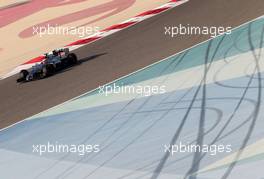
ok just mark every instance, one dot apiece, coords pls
pixel 72 59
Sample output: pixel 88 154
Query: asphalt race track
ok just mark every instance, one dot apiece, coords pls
pixel 124 52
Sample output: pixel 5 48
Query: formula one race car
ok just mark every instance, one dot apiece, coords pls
pixel 53 62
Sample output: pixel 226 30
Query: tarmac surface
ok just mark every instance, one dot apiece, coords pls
pixel 120 54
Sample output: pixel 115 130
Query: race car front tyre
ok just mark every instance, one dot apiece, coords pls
pixel 47 70
pixel 22 75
